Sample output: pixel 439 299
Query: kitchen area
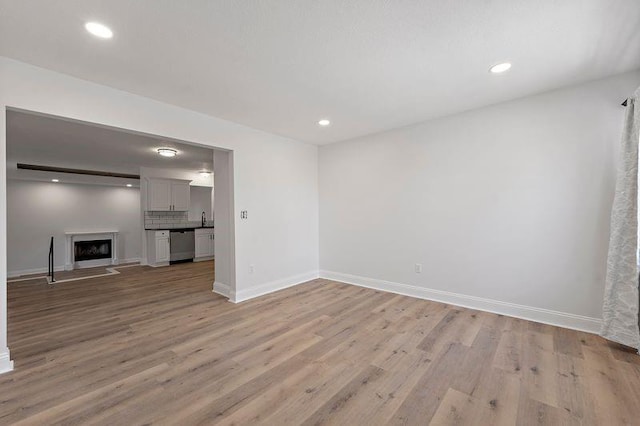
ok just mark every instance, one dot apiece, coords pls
pixel 178 220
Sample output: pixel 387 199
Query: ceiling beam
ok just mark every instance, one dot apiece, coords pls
pixel 76 171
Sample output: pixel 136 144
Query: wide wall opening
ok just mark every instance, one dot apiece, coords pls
pixel 93 210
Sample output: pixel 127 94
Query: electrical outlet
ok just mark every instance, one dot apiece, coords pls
pixel 418 268
pixel 244 214
pixel 252 269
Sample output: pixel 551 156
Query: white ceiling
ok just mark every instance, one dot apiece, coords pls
pixel 50 141
pixel 368 65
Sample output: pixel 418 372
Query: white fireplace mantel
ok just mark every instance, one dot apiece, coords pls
pixel 73 236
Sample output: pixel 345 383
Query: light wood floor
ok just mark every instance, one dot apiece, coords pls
pixel 157 346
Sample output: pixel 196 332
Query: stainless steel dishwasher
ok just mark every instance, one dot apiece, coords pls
pixel 182 245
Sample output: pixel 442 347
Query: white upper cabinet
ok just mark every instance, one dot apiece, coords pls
pixel 180 195
pixel 168 195
pixel 158 195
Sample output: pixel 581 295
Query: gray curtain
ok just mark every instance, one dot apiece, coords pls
pixel 620 310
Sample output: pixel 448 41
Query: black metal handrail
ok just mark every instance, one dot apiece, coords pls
pixel 51 271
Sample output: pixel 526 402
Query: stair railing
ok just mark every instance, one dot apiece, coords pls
pixel 51 268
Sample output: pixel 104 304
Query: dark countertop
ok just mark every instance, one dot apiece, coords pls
pixel 180 228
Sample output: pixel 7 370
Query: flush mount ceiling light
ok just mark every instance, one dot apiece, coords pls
pixel 129 185
pixel 324 122
pixel 98 30
pixel 167 152
pixel 500 68
pixel 55 180
pixel 204 174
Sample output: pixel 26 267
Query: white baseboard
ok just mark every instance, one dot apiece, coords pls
pixel 222 289
pixel 546 316
pixel 5 362
pixel 203 259
pixel 272 286
pixel 16 274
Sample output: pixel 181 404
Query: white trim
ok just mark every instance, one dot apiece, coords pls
pixel 203 259
pixel 5 361
pixel 110 271
pixel 222 289
pixel 91 233
pixel 18 274
pixel 546 316
pixel 272 286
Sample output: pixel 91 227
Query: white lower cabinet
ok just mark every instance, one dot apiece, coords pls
pixel 158 248
pixel 163 249
pixel 204 243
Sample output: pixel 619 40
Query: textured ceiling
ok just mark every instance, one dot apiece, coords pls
pixel 368 65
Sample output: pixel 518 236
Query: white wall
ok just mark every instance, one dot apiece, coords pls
pixel 200 202
pixel 275 178
pixel 224 223
pixel 508 203
pixel 37 211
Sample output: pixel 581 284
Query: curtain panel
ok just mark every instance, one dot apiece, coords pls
pixel 621 303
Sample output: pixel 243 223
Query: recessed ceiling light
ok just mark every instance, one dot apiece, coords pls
pixel 167 152
pixel 55 180
pixel 205 174
pixel 129 185
pixel 98 30
pixel 499 68
pixel 324 122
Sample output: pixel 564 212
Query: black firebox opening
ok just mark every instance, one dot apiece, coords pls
pixel 92 250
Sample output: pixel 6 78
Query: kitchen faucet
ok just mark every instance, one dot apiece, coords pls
pixel 204 219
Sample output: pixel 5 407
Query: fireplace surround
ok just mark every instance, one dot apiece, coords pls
pixel 85 249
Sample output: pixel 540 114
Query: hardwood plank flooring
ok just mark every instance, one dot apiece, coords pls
pixel 156 346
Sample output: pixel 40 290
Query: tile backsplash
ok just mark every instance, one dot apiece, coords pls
pixel 168 220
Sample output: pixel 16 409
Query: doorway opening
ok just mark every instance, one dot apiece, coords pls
pixel 117 203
